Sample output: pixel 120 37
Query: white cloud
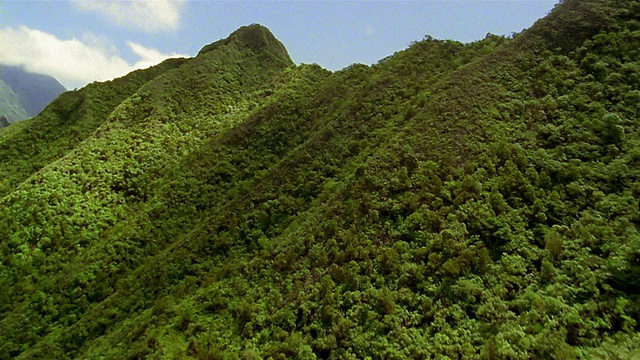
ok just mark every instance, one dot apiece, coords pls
pixel 73 62
pixel 100 42
pixel 148 56
pixel 151 16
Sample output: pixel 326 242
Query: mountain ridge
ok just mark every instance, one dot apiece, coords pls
pixel 462 200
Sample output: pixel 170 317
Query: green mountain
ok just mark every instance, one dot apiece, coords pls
pixel 452 201
pixel 24 94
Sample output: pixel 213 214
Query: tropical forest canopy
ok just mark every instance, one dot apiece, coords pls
pixel 460 201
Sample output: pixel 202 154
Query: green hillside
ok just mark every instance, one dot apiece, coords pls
pixel 461 201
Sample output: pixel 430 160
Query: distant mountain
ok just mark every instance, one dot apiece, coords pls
pixel 24 94
pixel 10 105
pixel 460 201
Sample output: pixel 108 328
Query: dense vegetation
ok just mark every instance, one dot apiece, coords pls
pixel 23 94
pixel 452 201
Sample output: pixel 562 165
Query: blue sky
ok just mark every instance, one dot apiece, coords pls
pixel 81 41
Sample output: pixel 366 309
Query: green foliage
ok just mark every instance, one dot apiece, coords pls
pixel 455 200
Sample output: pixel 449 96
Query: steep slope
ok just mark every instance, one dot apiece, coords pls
pixel 35 91
pixel 468 201
pixel 28 146
pixel 98 183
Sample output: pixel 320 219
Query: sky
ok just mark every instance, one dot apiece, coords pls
pixel 81 41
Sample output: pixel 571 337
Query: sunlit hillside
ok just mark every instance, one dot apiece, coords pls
pixel 460 201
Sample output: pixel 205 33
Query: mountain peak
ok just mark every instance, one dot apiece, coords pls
pixel 256 37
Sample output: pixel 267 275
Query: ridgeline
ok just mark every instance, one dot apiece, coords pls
pixel 462 201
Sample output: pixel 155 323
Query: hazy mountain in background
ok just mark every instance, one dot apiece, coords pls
pixel 461 201
pixel 10 106
pixel 24 94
